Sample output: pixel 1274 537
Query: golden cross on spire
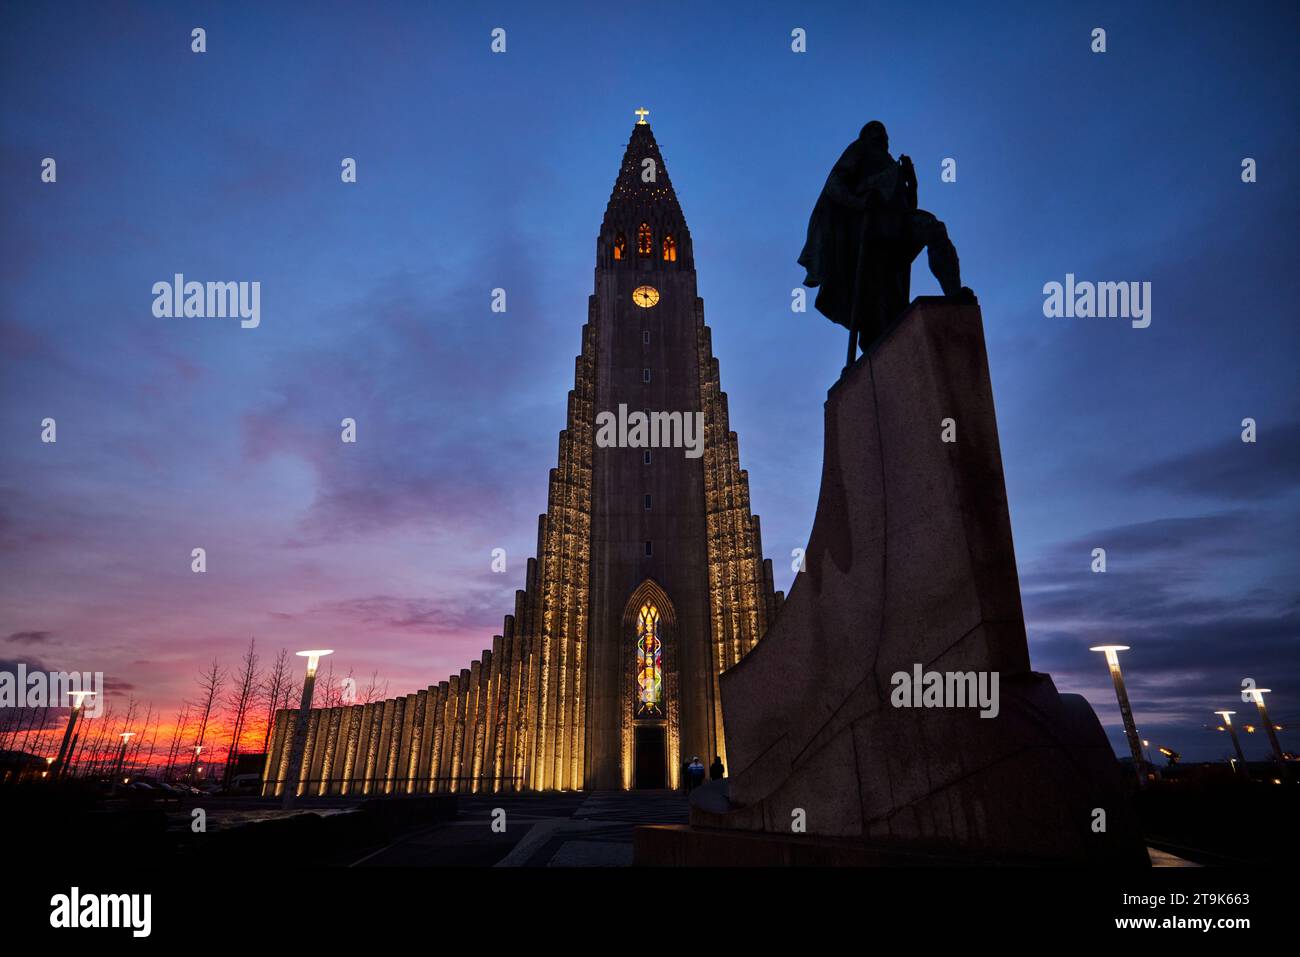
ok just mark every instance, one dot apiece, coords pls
pixel 642 113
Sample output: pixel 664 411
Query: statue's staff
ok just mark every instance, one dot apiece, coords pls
pixel 857 291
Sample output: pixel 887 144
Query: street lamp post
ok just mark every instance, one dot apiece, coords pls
pixel 1151 765
pixel 1258 695
pixel 1236 743
pixel 126 736
pixel 1130 730
pixel 299 741
pixel 78 699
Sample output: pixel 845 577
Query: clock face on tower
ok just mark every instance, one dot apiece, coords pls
pixel 645 296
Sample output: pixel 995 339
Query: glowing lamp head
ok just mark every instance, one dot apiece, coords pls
pixel 1227 716
pixel 314 657
pixel 126 736
pixel 1258 694
pixel 79 697
pixel 1111 651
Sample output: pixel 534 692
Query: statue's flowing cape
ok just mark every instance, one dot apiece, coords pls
pixel 830 254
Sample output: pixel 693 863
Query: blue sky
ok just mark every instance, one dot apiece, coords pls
pixel 478 171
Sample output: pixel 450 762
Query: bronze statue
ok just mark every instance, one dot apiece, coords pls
pixel 863 235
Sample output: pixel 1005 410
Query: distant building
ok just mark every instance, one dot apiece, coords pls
pixel 17 765
pixel 249 762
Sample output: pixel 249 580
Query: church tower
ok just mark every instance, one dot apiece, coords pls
pixel 649 579
pixel 672 538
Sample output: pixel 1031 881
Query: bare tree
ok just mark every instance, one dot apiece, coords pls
pixel 327 688
pixel 153 743
pixel 178 735
pixel 272 689
pixel 34 717
pixel 133 760
pixel 10 719
pixel 240 701
pixel 92 741
pixel 210 682
pixel 375 690
pixel 106 744
pixel 292 694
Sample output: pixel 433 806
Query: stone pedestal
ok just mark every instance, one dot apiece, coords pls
pixel 911 562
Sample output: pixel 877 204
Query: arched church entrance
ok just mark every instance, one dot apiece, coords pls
pixel 650 712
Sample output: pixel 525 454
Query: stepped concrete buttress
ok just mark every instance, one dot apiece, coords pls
pixel 911 561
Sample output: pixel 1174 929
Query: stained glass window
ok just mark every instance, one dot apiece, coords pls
pixel 644 241
pixel 670 249
pixel 649 664
pixel 620 246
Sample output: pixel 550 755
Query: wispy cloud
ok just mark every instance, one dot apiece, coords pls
pixel 29 637
pixel 1232 470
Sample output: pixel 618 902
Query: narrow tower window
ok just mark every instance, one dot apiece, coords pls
pixel 645 337
pixel 649 664
pixel 649 549
pixel 646 458
pixel 644 241
pixel 620 246
pixel 670 249
pixel 647 503
pixel 645 375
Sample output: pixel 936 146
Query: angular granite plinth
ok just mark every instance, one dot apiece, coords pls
pixel 911 562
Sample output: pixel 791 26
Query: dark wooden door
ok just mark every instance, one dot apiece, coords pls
pixel 651 765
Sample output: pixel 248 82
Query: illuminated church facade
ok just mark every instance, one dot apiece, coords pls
pixel 649 579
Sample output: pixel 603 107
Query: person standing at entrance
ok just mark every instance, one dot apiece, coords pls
pixel 695 772
pixel 715 769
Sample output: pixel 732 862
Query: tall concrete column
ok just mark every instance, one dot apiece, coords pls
pixel 300 725
pixel 1126 713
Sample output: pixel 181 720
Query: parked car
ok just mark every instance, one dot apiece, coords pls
pixel 145 792
pixel 245 784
